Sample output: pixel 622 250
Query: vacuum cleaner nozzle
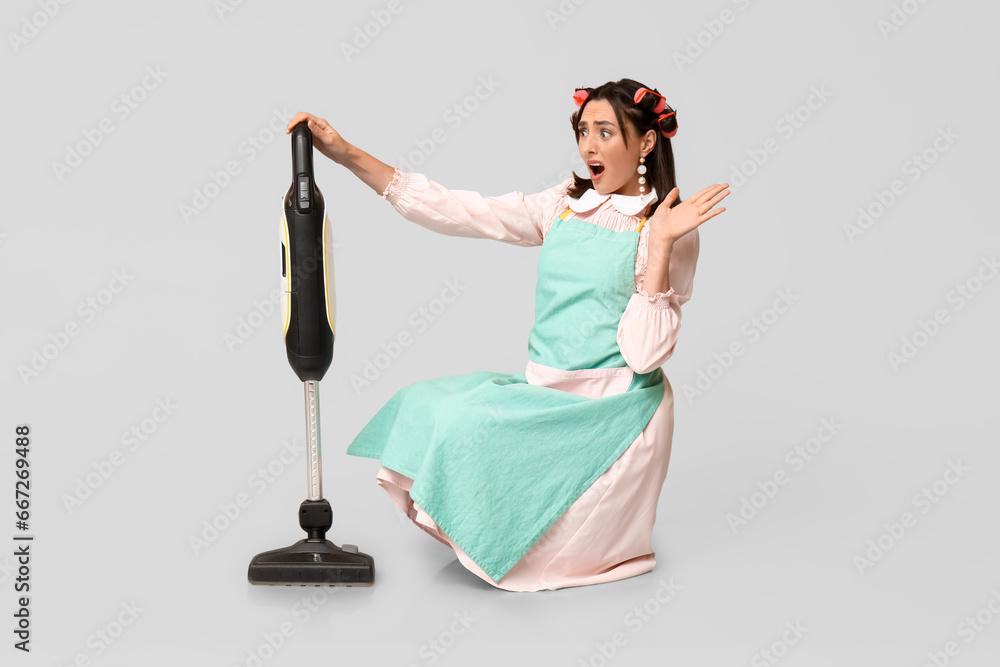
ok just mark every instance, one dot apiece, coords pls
pixel 315 560
pixel 313 563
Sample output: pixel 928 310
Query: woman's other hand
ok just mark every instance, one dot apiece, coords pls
pixel 668 224
pixel 325 139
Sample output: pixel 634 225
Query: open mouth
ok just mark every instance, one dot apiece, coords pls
pixel 596 169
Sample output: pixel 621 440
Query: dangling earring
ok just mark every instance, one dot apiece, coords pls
pixel 641 170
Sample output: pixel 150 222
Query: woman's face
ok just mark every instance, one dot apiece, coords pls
pixel 612 166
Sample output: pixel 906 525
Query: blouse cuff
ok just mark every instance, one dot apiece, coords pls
pixel 396 187
pixel 658 301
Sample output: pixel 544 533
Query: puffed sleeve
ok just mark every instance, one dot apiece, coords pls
pixel 647 332
pixel 513 218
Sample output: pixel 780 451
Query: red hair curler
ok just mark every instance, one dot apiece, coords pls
pixel 641 93
pixel 662 118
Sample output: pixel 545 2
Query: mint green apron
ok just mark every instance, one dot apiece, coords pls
pixel 496 460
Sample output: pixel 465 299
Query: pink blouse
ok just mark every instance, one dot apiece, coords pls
pixel 647 332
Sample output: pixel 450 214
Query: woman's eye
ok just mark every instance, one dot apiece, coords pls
pixel 608 132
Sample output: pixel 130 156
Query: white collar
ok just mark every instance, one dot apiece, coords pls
pixel 627 204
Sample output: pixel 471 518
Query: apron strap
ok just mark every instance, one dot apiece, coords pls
pixel 569 210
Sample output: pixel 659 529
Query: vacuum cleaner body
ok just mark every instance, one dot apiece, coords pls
pixel 309 296
pixel 309 306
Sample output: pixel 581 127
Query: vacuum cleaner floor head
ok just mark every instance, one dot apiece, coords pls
pixel 311 562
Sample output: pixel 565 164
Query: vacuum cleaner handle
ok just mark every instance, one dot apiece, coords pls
pixel 302 165
pixel 309 294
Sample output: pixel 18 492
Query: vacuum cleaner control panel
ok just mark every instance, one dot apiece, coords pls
pixel 304 190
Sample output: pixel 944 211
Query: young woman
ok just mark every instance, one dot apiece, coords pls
pixel 550 478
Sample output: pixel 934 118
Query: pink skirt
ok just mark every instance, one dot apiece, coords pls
pixel 605 534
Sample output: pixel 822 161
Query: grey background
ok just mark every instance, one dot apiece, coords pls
pixel 826 357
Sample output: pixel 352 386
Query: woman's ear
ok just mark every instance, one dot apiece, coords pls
pixel 649 141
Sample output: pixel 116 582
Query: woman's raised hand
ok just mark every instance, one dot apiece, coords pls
pixel 669 224
pixel 325 139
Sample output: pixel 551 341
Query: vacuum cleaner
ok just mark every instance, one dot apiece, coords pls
pixel 309 307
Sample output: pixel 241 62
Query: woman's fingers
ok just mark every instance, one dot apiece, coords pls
pixel 713 190
pixel 694 198
pixel 295 120
pixel 712 214
pixel 705 193
pixel 326 140
pixel 304 116
pixel 714 200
